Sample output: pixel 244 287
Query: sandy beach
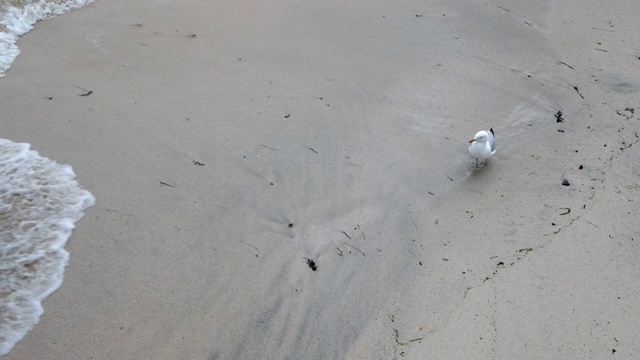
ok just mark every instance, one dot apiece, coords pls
pixel 291 180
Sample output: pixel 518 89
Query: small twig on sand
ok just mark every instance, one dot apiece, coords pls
pixel 165 184
pixel 313 150
pixel 398 337
pixel 249 245
pixel 355 248
pixel 565 64
pixel 505 9
pixel 268 147
pixel 345 234
pixel 406 343
pixel 475 191
pixel 86 92
pixel 448 177
pixel 416 226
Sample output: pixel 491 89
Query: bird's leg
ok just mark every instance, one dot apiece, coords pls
pixel 475 168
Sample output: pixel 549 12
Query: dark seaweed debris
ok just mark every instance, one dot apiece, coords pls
pixel 312 264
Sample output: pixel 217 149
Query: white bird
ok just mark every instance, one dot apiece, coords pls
pixel 483 145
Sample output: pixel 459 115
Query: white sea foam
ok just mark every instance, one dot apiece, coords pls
pixel 40 202
pixel 16 21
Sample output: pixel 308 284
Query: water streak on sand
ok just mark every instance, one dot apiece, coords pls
pixel 39 204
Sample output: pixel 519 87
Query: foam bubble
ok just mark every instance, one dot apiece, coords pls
pixel 17 20
pixel 40 202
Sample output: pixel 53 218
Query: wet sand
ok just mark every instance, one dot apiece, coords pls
pixel 227 145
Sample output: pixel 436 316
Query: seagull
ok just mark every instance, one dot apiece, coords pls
pixel 483 145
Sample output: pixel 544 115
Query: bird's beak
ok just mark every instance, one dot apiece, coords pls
pixel 472 140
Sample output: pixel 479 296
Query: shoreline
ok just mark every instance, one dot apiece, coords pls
pixel 198 240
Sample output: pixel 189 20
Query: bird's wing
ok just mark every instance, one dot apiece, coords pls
pixel 492 140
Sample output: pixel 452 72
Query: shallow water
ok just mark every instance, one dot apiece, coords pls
pixel 40 201
pixel 17 17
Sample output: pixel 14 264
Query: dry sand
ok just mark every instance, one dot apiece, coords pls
pixel 226 143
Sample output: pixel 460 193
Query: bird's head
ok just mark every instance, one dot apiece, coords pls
pixel 481 137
